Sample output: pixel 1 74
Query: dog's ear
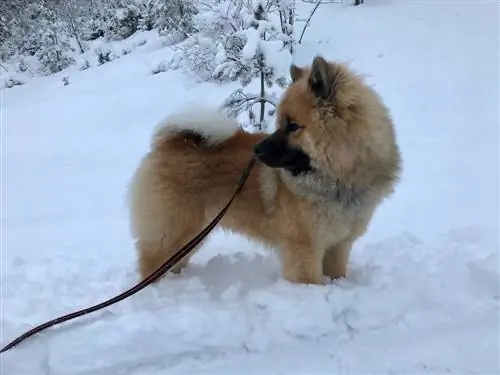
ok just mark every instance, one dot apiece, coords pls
pixel 295 72
pixel 321 78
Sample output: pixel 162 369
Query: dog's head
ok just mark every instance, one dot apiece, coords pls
pixel 327 120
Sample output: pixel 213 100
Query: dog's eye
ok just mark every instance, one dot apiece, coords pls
pixel 292 127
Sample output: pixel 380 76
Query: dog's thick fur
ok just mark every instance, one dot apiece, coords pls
pixel 322 175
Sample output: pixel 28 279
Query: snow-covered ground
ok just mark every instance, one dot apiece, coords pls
pixel 423 287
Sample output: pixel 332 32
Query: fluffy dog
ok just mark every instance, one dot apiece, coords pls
pixel 320 176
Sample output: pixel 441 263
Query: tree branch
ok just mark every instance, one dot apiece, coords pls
pixel 308 22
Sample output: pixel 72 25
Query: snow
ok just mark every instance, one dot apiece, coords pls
pixel 276 57
pixel 252 44
pixel 422 291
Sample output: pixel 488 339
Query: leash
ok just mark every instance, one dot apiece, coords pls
pixel 172 261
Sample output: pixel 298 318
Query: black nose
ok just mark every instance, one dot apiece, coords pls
pixel 259 148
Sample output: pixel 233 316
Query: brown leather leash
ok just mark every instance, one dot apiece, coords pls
pixel 172 261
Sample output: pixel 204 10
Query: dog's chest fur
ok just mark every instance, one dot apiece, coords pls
pixel 324 191
pixel 332 209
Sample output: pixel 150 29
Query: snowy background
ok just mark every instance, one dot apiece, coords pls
pixel 422 291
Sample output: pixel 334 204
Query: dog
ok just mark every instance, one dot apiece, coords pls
pixel 318 180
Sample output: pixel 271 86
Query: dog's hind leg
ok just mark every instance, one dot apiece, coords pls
pixel 167 232
pixel 163 218
pixel 153 253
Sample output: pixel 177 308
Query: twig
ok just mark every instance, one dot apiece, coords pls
pixel 309 20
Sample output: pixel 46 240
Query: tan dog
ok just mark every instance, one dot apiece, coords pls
pixel 320 178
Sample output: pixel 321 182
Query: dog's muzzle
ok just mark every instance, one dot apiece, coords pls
pixel 271 149
pixel 275 152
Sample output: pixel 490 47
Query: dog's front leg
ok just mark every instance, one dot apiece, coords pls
pixel 301 263
pixel 336 259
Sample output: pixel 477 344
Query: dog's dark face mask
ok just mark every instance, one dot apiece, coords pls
pixel 275 152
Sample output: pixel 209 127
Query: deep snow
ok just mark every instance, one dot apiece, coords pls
pixel 422 291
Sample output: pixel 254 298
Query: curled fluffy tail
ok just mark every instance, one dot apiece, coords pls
pixel 201 124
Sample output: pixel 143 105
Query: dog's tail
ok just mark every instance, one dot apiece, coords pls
pixel 198 124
